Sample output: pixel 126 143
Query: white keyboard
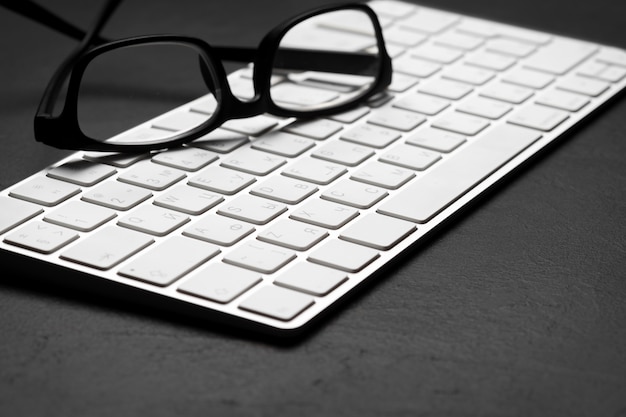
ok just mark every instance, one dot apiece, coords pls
pixel 268 222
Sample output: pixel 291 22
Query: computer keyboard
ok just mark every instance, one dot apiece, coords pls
pixel 267 222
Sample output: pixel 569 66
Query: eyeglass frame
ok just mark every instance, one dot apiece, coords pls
pixel 63 130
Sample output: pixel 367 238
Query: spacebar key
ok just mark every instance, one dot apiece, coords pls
pixel 444 184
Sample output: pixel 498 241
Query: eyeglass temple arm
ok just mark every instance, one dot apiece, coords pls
pixel 344 62
pixel 46 105
pixel 354 63
pixel 41 15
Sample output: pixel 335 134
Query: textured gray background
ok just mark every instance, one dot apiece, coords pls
pixel 516 309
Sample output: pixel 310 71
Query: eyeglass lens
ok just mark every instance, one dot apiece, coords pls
pixel 137 87
pixel 326 61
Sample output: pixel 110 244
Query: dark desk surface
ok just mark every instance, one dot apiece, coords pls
pixel 516 309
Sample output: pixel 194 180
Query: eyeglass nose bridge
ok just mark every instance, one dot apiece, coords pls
pixel 224 91
pixel 232 107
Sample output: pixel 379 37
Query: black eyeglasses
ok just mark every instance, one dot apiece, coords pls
pixel 309 66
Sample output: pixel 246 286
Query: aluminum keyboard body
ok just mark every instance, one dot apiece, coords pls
pixel 268 222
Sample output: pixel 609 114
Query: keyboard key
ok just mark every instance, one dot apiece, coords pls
pixel 206 105
pixel 394 9
pixel 153 220
pixel 260 256
pixel 315 129
pixel 412 157
pixel 436 139
pixel 252 162
pixel 344 83
pixel 284 144
pixel 107 247
pixel 81 172
pixel 221 180
pixel 343 153
pixel 383 175
pixel 528 78
pixel 119 160
pixel 169 261
pixel 252 209
pixel 538 117
pixel 477 27
pixel 151 176
pixel 563 100
pixel 414 66
pixel 396 119
pixel 560 56
pixel 401 82
pixel 484 107
pixel 355 194
pixel 459 40
pixel 220 141
pixel 510 47
pixel 379 100
pixel 507 92
pixel 292 234
pixel 350 116
pixel 370 135
pixel 324 213
pixel 378 231
pixel 252 126
pixel 15 212
pixel 353 22
pixel 277 302
pixel 45 191
pixel 401 36
pixel 300 95
pixel 394 51
pixel 437 53
pixel 583 85
pixel 451 90
pixel 494 30
pixel 602 71
pixel 613 56
pixel 80 216
pixel 241 87
pixel 180 121
pixel 428 195
pixel 490 61
pixel 223 231
pixel 315 170
pixel 283 189
pixel 141 134
pixel 429 21
pixel 461 123
pixel 344 256
pixel 468 74
pixel 187 159
pixel 311 278
pixel 422 103
pixel 41 237
pixel 190 200
pixel 220 282
pixel 116 195
pixel 522 34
